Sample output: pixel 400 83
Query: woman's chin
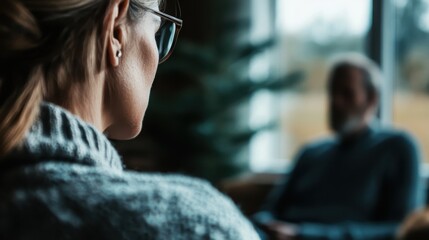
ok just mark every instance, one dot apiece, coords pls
pixel 124 132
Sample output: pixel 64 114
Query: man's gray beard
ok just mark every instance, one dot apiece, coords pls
pixel 350 126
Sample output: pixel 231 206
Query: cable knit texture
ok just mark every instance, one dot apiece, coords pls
pixel 66 182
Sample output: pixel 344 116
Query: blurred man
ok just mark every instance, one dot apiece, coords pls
pixel 361 183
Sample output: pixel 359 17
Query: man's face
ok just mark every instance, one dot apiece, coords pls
pixel 349 103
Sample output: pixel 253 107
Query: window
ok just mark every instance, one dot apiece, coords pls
pixel 308 41
pixel 411 99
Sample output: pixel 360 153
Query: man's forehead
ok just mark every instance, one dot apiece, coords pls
pixel 349 76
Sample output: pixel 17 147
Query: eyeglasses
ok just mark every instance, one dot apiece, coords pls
pixel 167 35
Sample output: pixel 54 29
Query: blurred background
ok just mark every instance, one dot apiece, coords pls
pixel 245 87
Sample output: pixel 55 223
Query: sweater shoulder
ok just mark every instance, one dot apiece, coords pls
pixel 318 147
pixel 398 140
pixel 130 205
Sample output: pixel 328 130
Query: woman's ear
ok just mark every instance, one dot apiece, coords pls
pixel 116 32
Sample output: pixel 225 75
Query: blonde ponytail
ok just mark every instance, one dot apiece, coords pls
pixel 19 111
pixel 20 86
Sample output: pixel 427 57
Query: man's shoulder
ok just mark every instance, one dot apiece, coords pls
pixel 395 138
pixel 401 146
pixel 320 145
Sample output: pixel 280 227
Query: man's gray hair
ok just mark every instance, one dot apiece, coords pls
pixel 372 73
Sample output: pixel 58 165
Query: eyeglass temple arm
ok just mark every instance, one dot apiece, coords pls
pixel 177 21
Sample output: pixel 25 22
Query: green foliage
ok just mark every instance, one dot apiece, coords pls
pixel 193 124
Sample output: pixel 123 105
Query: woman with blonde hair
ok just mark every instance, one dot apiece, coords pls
pixel 71 72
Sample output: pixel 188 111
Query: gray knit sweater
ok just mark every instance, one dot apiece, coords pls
pixel 67 182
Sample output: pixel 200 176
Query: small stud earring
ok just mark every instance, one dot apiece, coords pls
pixel 119 54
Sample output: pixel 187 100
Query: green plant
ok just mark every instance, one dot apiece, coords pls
pixel 192 124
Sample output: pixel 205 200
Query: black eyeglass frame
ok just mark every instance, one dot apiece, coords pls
pixel 178 22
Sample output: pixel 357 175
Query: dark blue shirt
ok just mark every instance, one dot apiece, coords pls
pixel 356 189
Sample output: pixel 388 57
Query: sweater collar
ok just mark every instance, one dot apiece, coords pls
pixel 58 135
pixel 358 137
